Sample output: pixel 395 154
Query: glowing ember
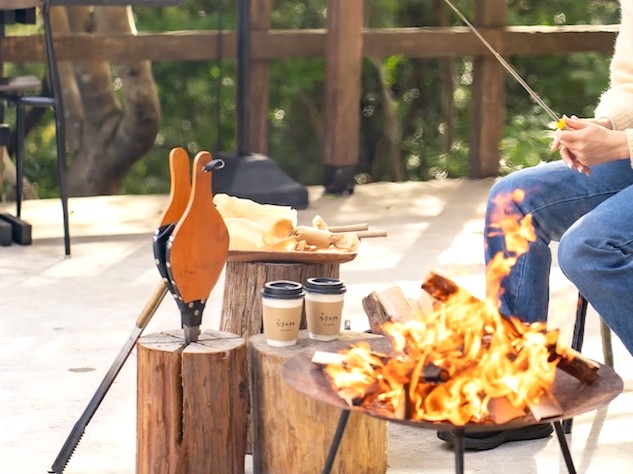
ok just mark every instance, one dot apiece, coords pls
pixel 456 363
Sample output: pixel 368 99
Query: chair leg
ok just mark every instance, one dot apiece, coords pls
pixel 579 331
pixel 576 342
pixel 60 137
pixel 58 110
pixel 19 156
pixel 579 325
pixel 607 348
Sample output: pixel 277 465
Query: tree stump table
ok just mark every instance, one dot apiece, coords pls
pixel 242 300
pixel 292 432
pixel 192 403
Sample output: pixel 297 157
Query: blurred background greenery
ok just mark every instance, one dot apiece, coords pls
pixel 415 112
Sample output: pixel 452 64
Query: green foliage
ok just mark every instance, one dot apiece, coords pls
pixel 424 103
pixel 559 12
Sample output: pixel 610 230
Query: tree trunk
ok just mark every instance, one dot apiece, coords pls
pixel 112 111
pixel 191 404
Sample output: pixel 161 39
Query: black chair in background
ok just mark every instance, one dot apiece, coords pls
pixel 20 91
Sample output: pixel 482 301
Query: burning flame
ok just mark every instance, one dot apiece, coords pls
pixel 517 232
pixel 464 358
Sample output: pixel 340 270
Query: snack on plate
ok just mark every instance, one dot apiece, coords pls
pixel 268 227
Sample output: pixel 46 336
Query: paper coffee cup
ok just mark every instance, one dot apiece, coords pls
pixel 282 305
pixel 324 307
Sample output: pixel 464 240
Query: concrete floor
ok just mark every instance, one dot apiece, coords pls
pixel 64 320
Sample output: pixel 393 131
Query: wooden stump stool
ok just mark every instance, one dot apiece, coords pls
pixel 242 300
pixel 292 432
pixel 192 404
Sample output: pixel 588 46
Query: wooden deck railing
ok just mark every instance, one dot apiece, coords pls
pixel 343 43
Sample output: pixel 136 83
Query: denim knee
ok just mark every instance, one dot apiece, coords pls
pixel 505 185
pixel 574 255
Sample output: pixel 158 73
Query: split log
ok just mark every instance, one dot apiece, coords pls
pixel 192 402
pixel 578 366
pixel 242 300
pixel 391 304
pixel 292 432
pixel 387 305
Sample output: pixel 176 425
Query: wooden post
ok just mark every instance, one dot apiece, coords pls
pixel 242 305
pixel 191 404
pixel 486 123
pixel 293 432
pixel 260 23
pixel 343 56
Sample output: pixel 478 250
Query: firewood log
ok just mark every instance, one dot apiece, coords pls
pixel 391 304
pixel 571 361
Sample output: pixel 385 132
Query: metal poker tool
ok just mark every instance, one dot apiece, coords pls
pixel 560 122
pixel 179 195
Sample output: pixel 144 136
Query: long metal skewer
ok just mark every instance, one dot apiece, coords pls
pixel 509 68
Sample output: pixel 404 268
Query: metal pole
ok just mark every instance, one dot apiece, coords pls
pixel 243 99
pixel 218 86
pixel 458 447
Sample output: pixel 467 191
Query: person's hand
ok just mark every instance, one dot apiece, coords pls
pixel 589 142
pixel 602 121
pixel 566 155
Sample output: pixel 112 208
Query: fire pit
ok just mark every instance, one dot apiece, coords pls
pixel 462 366
pixel 573 396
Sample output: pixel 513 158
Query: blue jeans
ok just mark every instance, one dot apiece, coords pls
pixel 592 218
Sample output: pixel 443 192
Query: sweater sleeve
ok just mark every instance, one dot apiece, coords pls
pixel 616 102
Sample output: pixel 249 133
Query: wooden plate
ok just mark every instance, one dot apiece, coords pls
pixel 305 257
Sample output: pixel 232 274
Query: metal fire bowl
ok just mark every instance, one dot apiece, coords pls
pixel 574 397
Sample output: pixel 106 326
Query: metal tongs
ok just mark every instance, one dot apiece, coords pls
pixel 561 122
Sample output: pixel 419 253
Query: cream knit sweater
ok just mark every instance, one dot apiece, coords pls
pixel 617 102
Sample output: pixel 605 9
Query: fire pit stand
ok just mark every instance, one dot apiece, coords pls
pixel 458 445
pixel 574 397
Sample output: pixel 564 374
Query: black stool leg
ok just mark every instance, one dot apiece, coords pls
pixel 579 326
pixel 336 441
pixel 564 447
pixel 577 340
